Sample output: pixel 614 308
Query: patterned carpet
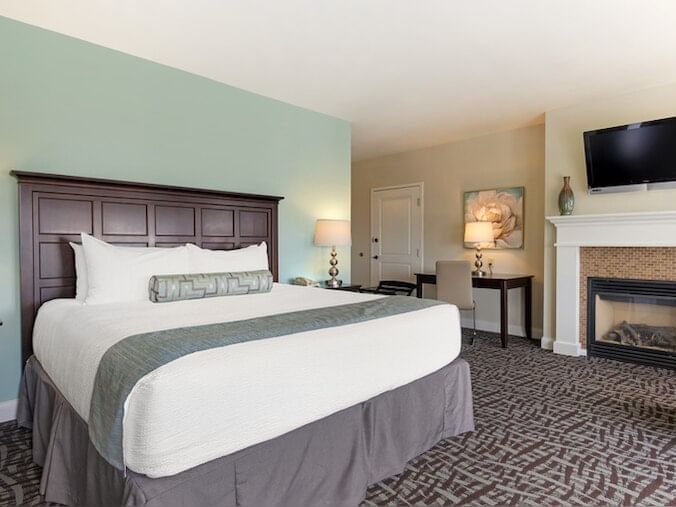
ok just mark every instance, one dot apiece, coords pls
pixel 550 430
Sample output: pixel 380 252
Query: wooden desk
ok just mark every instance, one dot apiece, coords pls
pixel 501 282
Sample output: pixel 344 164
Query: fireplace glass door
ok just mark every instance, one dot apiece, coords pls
pixel 633 320
pixel 637 321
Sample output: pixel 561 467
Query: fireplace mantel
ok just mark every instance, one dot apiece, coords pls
pixel 642 229
pixel 654 228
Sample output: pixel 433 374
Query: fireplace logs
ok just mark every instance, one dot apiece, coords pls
pixel 643 335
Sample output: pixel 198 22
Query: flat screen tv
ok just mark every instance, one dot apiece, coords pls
pixel 640 156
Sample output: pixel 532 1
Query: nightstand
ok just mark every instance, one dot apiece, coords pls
pixel 346 286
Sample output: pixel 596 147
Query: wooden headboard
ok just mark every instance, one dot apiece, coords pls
pixel 54 210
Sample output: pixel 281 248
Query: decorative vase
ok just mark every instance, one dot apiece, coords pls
pixel 566 198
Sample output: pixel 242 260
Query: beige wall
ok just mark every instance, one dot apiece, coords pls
pixel 513 158
pixel 564 156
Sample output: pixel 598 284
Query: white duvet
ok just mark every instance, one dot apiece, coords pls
pixel 212 403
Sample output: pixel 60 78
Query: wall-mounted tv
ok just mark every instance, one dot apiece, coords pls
pixel 640 156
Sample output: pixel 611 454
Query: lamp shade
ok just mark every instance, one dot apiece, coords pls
pixel 332 232
pixel 479 232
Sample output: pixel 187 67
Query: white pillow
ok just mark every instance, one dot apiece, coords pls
pixel 118 273
pixel 251 258
pixel 81 279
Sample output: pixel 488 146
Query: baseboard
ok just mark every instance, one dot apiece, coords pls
pixel 569 349
pixel 547 343
pixel 494 327
pixel 8 410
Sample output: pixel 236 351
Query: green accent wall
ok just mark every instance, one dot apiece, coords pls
pixel 70 107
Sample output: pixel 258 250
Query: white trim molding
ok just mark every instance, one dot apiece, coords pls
pixel 547 343
pixel 8 410
pixel 656 228
pixel 568 349
pixel 494 326
pixel 645 229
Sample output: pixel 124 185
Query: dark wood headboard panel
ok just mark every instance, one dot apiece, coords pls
pixel 54 210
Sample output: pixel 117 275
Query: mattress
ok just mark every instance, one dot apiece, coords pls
pixel 216 402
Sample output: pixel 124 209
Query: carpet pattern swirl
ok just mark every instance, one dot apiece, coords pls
pixel 550 430
pixel 19 477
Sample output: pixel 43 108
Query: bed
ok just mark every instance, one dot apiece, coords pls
pixel 305 418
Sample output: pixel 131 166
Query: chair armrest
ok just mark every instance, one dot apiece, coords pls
pixel 387 292
pixel 369 290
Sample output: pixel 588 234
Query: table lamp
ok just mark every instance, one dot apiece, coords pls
pixel 478 233
pixel 333 233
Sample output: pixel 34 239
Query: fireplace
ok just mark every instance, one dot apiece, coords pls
pixel 632 320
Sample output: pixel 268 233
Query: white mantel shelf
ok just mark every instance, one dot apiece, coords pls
pixel 641 217
pixel 651 228
pixel 643 229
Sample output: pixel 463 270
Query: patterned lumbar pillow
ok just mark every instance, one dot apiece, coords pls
pixel 166 288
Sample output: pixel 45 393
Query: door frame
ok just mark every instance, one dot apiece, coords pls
pixel 421 186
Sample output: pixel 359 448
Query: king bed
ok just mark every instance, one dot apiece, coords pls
pixel 315 395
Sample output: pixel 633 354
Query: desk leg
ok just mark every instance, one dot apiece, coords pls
pixel 529 309
pixel 504 315
pixel 419 288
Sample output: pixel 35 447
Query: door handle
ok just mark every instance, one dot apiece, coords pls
pixel 375 257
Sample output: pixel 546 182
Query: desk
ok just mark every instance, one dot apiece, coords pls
pixel 501 282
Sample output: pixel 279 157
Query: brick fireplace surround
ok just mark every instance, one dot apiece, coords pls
pixel 638 246
pixel 634 263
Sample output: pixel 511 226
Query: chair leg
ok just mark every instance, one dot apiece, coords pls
pixel 474 322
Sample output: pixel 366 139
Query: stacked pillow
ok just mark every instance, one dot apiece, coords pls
pixel 108 274
pixel 251 258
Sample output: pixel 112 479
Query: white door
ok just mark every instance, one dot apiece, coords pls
pixel 396 233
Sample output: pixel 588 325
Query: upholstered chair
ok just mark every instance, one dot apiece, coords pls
pixel 454 285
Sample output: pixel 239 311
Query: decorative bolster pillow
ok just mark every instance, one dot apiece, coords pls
pixel 166 288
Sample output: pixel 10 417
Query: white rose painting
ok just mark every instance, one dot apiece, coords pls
pixel 503 208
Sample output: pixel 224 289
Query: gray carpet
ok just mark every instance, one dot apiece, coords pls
pixel 550 430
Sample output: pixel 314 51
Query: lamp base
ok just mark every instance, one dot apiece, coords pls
pixel 333 282
pixel 478 264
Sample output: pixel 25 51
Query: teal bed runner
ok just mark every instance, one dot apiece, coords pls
pixel 129 360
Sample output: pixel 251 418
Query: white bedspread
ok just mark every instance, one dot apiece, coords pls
pixel 212 403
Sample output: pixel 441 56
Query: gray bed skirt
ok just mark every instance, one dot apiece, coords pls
pixel 328 462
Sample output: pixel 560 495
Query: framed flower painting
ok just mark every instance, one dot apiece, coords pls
pixel 503 208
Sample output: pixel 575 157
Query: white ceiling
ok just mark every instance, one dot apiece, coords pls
pixel 406 73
